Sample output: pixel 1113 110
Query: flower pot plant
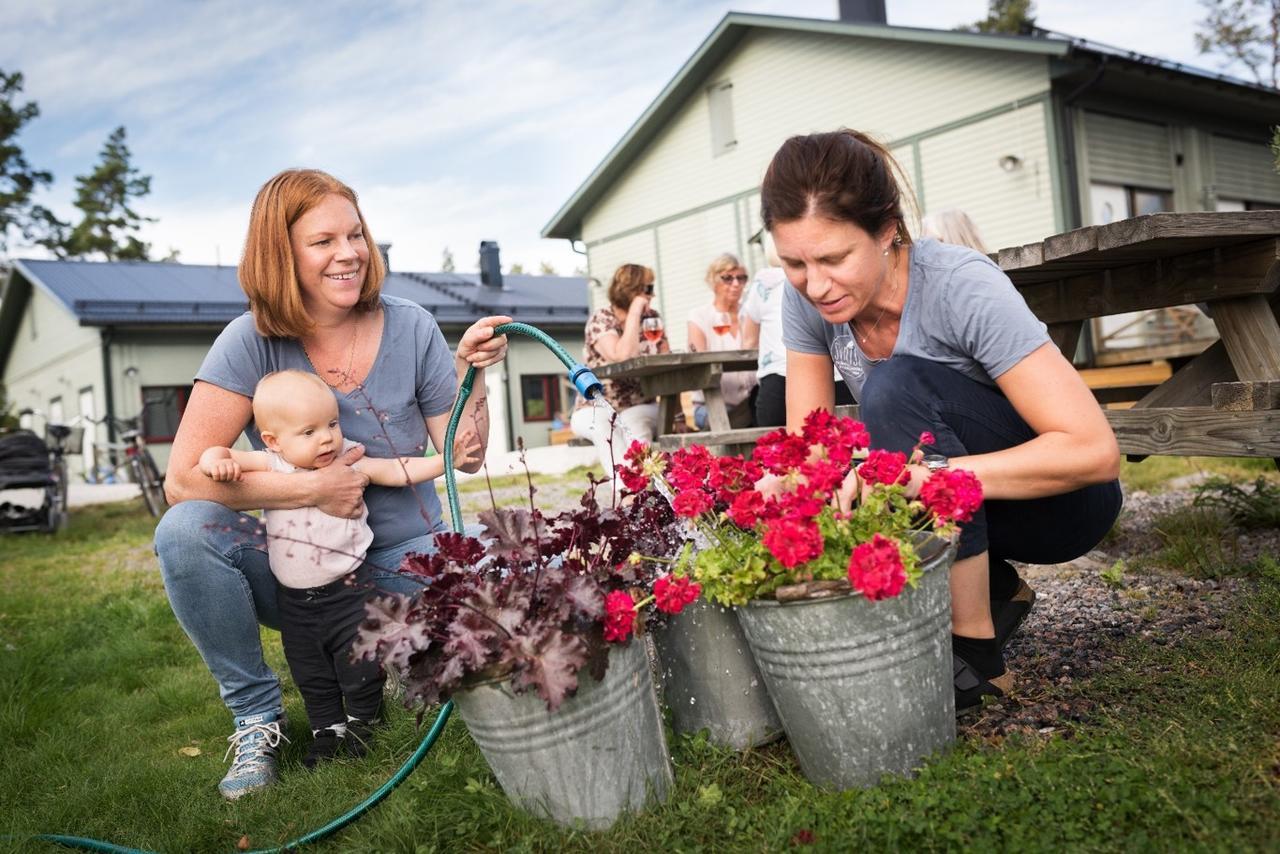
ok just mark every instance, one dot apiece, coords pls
pixel 847 612
pixel 530 630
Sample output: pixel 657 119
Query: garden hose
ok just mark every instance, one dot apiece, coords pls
pixel 587 384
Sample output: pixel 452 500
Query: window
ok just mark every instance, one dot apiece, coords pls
pixel 162 408
pixel 720 104
pixel 541 396
pixel 56 413
pixel 1112 202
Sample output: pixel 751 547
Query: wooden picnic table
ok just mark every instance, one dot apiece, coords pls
pixel 666 375
pixel 1226 400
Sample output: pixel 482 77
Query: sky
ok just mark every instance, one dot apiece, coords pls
pixel 455 122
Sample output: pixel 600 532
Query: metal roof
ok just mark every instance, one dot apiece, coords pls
pixel 134 293
pixel 733 27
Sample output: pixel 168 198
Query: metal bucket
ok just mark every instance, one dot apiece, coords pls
pixel 600 754
pixel 863 688
pixel 710 681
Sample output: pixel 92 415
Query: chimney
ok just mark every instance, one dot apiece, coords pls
pixel 490 265
pixel 863 12
pixel 384 249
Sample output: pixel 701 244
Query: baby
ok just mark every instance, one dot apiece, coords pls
pixel 318 559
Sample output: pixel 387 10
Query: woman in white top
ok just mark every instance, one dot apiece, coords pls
pixel 716 326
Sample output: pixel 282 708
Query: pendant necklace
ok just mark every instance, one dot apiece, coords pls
pixel 880 316
pixel 351 360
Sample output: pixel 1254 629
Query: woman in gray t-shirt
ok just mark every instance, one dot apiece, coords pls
pixel 933 337
pixel 314 287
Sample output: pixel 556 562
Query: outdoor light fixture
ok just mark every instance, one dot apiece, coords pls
pixel 1010 163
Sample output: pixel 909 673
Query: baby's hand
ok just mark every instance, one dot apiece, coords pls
pixel 223 471
pixel 466 449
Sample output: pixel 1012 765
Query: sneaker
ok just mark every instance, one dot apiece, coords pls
pixel 359 737
pixel 1007 614
pixel 324 746
pixel 255 744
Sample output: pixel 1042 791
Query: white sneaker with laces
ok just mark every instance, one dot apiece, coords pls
pixel 255 743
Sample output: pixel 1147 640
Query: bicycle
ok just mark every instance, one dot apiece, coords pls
pixel 142 468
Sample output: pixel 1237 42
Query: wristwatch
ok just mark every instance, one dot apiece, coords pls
pixel 936 462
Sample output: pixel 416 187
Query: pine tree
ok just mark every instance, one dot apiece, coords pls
pixel 33 223
pixel 1012 17
pixel 109 224
pixel 446 261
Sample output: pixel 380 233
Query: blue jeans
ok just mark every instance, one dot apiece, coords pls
pixel 214 564
pixel 907 395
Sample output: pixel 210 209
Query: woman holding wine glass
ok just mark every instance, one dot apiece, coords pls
pixel 715 326
pixel 625 328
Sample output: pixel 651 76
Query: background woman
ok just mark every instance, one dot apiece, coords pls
pixel 952 225
pixel 933 337
pixel 315 304
pixel 617 332
pixel 716 326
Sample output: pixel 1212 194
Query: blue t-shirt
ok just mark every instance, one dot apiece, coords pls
pixel 961 311
pixel 412 378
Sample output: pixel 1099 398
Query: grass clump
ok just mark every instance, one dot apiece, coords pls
pixel 1257 506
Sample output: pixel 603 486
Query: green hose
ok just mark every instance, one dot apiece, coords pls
pixel 589 386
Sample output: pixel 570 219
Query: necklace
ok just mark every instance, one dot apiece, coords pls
pixel 879 317
pixel 345 376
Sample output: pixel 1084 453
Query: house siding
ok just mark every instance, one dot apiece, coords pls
pixel 1128 152
pixel 1245 170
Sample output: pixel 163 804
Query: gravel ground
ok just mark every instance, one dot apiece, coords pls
pixel 1078 621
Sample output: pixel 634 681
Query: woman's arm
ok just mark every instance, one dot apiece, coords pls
pixel 697 338
pixel 618 348
pixel 810 386
pixel 1074 444
pixel 750 333
pixel 217 417
pixel 480 347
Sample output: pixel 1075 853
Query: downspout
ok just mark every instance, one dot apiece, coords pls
pixel 1070 155
pixel 109 388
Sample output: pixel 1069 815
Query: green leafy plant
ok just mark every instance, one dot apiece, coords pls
pixel 1255 507
pixel 1195 542
pixel 1113 576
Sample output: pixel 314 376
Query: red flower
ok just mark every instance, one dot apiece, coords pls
pixel 779 452
pixel 671 593
pixel 801 504
pixel 821 428
pixel 952 494
pixel 733 475
pixel 619 616
pixel 824 476
pixel 887 467
pixel 875 568
pixel 691 503
pixel 793 541
pixel 689 467
pixel 926 438
pixel 746 508
pixel 632 473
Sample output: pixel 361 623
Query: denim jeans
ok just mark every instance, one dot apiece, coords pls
pixel 906 395
pixel 214 564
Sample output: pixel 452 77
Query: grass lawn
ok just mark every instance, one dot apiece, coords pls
pixel 102 699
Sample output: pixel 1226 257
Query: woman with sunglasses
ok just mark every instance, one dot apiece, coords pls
pixel 716 326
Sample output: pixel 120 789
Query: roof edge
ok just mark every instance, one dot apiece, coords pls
pixel 726 35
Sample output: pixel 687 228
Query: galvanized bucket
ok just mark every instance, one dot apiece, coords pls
pixel 602 753
pixel 710 681
pixel 863 688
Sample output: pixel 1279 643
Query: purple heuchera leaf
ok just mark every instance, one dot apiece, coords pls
pixel 547 660
pixel 390 631
pixel 514 532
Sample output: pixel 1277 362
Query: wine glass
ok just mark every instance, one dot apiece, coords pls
pixel 721 323
pixel 651 329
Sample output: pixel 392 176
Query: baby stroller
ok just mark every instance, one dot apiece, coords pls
pixel 29 462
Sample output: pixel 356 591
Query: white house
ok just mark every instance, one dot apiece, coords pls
pixel 1030 135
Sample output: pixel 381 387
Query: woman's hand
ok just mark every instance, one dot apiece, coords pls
pixel 481 346
pixel 639 304
pixel 338 488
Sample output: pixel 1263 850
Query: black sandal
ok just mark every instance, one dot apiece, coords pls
pixel 971 687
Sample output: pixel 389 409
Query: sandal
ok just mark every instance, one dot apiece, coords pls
pixel 1007 614
pixel 971 687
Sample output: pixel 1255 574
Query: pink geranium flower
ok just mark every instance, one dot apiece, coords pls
pixel 876 569
pixel 952 494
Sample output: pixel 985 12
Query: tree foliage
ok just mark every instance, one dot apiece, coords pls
pixel 108 226
pixel 546 268
pixel 516 269
pixel 446 261
pixel 1243 32
pixel 1013 17
pixel 18 180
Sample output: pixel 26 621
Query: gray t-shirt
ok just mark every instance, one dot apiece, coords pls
pixel 412 379
pixel 961 311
